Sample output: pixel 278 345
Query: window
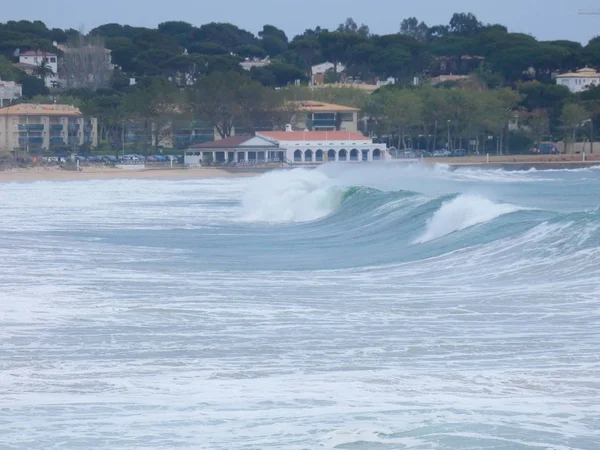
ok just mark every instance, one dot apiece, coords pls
pixel 308 156
pixel 297 156
pixel 343 155
pixel 347 117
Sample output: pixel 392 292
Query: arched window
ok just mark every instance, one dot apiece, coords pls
pixel 376 154
pixel 319 155
pixel 308 156
pixel 343 155
pixel 354 155
pixel 365 155
pixel 298 156
pixel 331 155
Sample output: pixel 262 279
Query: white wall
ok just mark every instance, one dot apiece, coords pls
pixel 578 84
pixel 36 60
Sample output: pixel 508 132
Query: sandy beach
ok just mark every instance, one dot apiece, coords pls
pixel 56 173
pixel 99 173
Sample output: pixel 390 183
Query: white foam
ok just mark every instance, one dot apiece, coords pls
pixel 299 195
pixel 463 212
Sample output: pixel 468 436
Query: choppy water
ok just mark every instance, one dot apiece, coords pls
pixel 381 307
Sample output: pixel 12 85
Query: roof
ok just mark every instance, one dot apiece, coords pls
pixel 24 66
pixel 230 142
pixel 586 72
pixel 29 109
pixel 314 106
pixel 313 135
pixel 38 53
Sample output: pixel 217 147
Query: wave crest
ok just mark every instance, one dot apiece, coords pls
pixel 299 195
pixel 463 212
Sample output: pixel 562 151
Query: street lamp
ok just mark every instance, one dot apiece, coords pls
pixel 591 134
pixel 449 135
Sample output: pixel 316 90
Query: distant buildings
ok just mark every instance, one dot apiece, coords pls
pixel 249 63
pixel 320 116
pixel 297 147
pixel 441 79
pixel 33 128
pixel 9 92
pixel 319 72
pixel 579 81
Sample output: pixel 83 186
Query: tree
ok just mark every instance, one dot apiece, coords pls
pixel 7 72
pixel 223 100
pixel 85 63
pixel 43 70
pixel 153 103
pixel 350 26
pixel 464 24
pixel 411 27
pixel 572 117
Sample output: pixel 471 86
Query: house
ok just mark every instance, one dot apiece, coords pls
pixel 249 63
pixel 232 149
pixel 319 71
pixel 441 79
pixel 297 147
pixel 35 58
pixel 9 92
pixel 320 116
pixel 33 128
pixel 579 81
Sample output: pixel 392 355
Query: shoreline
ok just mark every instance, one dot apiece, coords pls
pixel 32 174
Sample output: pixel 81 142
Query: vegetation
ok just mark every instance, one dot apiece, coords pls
pixel 186 74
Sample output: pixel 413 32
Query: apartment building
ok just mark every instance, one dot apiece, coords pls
pixel 320 116
pixel 35 128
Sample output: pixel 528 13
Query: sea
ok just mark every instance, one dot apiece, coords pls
pixel 377 306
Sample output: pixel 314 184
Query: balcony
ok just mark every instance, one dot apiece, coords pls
pixel 31 127
pixel 57 140
pixel 56 127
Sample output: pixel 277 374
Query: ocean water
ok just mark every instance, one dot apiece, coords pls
pixel 371 307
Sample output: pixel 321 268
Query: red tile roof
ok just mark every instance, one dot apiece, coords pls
pixel 313 135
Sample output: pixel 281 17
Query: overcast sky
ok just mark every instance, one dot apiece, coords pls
pixel 544 19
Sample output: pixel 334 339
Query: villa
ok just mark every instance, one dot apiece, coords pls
pixel 579 81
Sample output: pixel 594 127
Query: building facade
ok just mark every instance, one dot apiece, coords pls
pixel 36 128
pixel 579 81
pixel 9 92
pixel 294 147
pixel 32 58
pixel 312 115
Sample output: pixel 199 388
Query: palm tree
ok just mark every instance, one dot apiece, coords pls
pixel 43 70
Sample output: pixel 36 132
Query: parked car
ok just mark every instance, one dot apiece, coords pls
pixel 545 148
pixel 459 152
pixel 442 152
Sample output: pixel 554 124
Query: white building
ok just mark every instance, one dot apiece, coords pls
pixel 9 92
pixel 249 63
pixel 294 147
pixel 318 72
pixel 35 58
pixel 579 81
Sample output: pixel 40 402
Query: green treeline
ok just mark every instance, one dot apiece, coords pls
pixel 186 73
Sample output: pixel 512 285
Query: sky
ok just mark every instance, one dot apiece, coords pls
pixel 544 19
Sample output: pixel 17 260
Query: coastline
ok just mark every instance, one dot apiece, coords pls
pixel 30 174
pixel 518 162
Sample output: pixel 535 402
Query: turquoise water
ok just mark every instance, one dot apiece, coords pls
pixel 345 307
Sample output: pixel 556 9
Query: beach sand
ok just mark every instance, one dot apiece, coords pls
pixel 55 173
pixel 99 173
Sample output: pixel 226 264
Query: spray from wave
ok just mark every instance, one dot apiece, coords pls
pixel 299 195
pixel 463 212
